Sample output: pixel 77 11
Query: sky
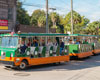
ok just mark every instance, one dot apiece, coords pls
pixel 88 8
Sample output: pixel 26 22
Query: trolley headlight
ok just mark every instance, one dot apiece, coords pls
pixel 17 60
pixel 3 53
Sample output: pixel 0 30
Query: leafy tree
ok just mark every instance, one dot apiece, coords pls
pixel 22 15
pixel 54 18
pixel 93 28
pixel 36 16
pixel 79 21
pixel 42 21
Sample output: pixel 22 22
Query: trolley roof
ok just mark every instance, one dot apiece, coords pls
pixel 49 34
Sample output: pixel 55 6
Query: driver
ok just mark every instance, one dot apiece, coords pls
pixel 23 47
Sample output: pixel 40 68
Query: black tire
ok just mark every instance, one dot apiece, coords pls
pixel 23 65
pixel 57 63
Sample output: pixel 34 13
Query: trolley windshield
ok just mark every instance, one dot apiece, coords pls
pixel 10 42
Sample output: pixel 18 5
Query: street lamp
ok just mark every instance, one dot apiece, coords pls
pixel 53 9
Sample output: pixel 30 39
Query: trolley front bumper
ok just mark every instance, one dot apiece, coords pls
pixel 7 63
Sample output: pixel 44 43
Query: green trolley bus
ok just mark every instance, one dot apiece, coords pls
pixel 22 50
pixel 82 46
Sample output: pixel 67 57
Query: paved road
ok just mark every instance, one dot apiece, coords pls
pixel 88 69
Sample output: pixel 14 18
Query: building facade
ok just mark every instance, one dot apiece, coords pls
pixel 32 29
pixel 7 15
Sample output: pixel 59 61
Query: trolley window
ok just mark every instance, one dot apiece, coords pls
pixel 10 42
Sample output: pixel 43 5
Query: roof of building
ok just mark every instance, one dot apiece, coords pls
pixel 32 29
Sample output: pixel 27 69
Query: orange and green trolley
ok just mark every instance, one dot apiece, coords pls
pixel 22 50
pixel 81 46
pixel 96 45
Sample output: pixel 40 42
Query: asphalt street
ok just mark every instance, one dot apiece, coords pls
pixel 86 69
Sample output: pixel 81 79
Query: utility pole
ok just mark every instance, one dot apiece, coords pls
pixel 14 15
pixel 47 27
pixel 72 25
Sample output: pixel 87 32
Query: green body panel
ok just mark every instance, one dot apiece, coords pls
pixel 36 50
pixel 18 54
pixel 73 48
pixel 8 51
pixel 43 51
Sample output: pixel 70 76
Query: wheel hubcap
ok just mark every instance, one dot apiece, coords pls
pixel 22 65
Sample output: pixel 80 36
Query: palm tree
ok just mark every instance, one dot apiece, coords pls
pixel 54 18
pixel 42 21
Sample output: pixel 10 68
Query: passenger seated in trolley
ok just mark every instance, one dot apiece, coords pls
pixel 70 41
pixel 85 42
pixel 43 43
pixel 36 43
pixel 55 45
pixel 41 47
pixel 49 44
pixel 61 47
pixel 29 43
pixel 23 47
pixel 77 42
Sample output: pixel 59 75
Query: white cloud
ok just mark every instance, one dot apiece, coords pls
pixel 95 16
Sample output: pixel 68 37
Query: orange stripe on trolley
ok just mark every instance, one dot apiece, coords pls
pixel 73 54
pixel 45 60
pixel 84 54
pixel 38 61
pixel 7 59
pixel 96 51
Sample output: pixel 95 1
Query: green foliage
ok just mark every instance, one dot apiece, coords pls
pixel 36 17
pixel 76 18
pixel 42 21
pixel 61 23
pixel 93 28
pixel 22 15
pixel 57 22
pixel 80 22
pixel 54 18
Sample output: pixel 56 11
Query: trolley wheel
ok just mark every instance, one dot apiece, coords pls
pixel 57 63
pixel 23 65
